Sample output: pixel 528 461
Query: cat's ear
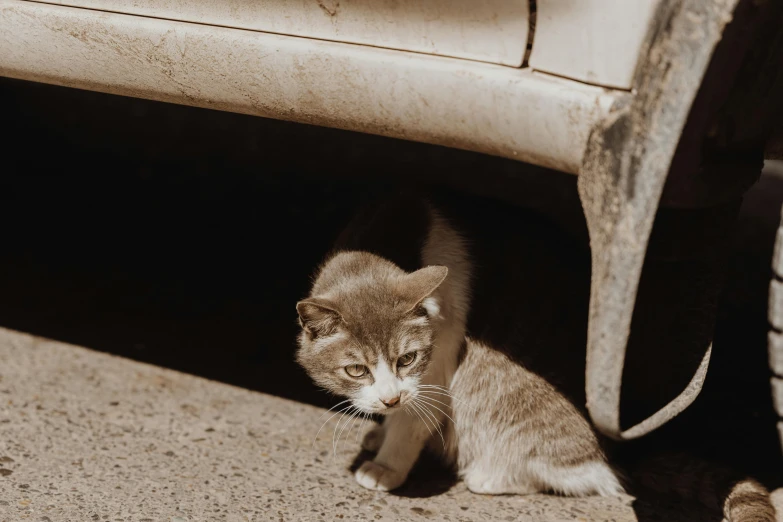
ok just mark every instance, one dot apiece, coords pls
pixel 419 285
pixel 318 316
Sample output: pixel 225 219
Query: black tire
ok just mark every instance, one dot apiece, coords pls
pixel 775 343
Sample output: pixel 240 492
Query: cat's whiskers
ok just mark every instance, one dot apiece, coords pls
pixel 419 410
pixel 365 416
pixel 336 427
pixel 435 387
pixel 335 442
pixel 333 407
pixel 439 390
pixel 463 403
pixel 436 400
pixel 327 421
pixel 425 399
pixel 432 418
pixel 353 425
pixel 415 410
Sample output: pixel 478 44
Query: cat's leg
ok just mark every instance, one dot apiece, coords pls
pixel 405 437
pixel 407 432
pixel 373 439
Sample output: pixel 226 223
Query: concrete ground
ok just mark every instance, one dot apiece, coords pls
pixel 89 436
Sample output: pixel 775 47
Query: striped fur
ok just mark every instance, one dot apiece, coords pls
pixel 515 433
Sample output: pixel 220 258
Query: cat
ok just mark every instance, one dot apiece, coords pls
pixel 409 320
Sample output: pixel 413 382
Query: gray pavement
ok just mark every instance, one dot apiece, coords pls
pixel 88 436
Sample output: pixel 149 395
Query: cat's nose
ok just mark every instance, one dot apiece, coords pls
pixel 391 403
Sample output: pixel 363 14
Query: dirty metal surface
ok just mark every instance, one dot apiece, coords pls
pixel 491 30
pixel 594 41
pixel 457 103
pixel 621 182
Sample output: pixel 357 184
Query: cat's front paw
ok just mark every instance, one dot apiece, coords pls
pixel 374 438
pixel 372 475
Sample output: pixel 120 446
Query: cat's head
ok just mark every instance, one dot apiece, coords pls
pixel 368 330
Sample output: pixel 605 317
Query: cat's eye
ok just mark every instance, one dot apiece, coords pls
pixel 356 370
pixel 406 360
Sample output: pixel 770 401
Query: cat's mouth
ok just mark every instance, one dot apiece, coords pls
pixel 396 402
pixel 384 409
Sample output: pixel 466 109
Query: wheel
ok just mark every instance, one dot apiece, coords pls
pixel 775 343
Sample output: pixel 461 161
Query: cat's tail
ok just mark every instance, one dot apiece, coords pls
pixel 738 497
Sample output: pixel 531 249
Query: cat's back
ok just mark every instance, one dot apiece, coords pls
pixel 530 287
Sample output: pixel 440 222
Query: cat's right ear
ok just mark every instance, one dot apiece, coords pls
pixel 318 316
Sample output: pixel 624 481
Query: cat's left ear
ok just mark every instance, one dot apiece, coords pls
pixel 317 315
pixel 419 285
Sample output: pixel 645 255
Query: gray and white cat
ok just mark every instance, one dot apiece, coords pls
pixel 394 342
pixel 392 323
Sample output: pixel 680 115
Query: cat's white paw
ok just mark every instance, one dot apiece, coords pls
pixel 374 438
pixel 380 478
